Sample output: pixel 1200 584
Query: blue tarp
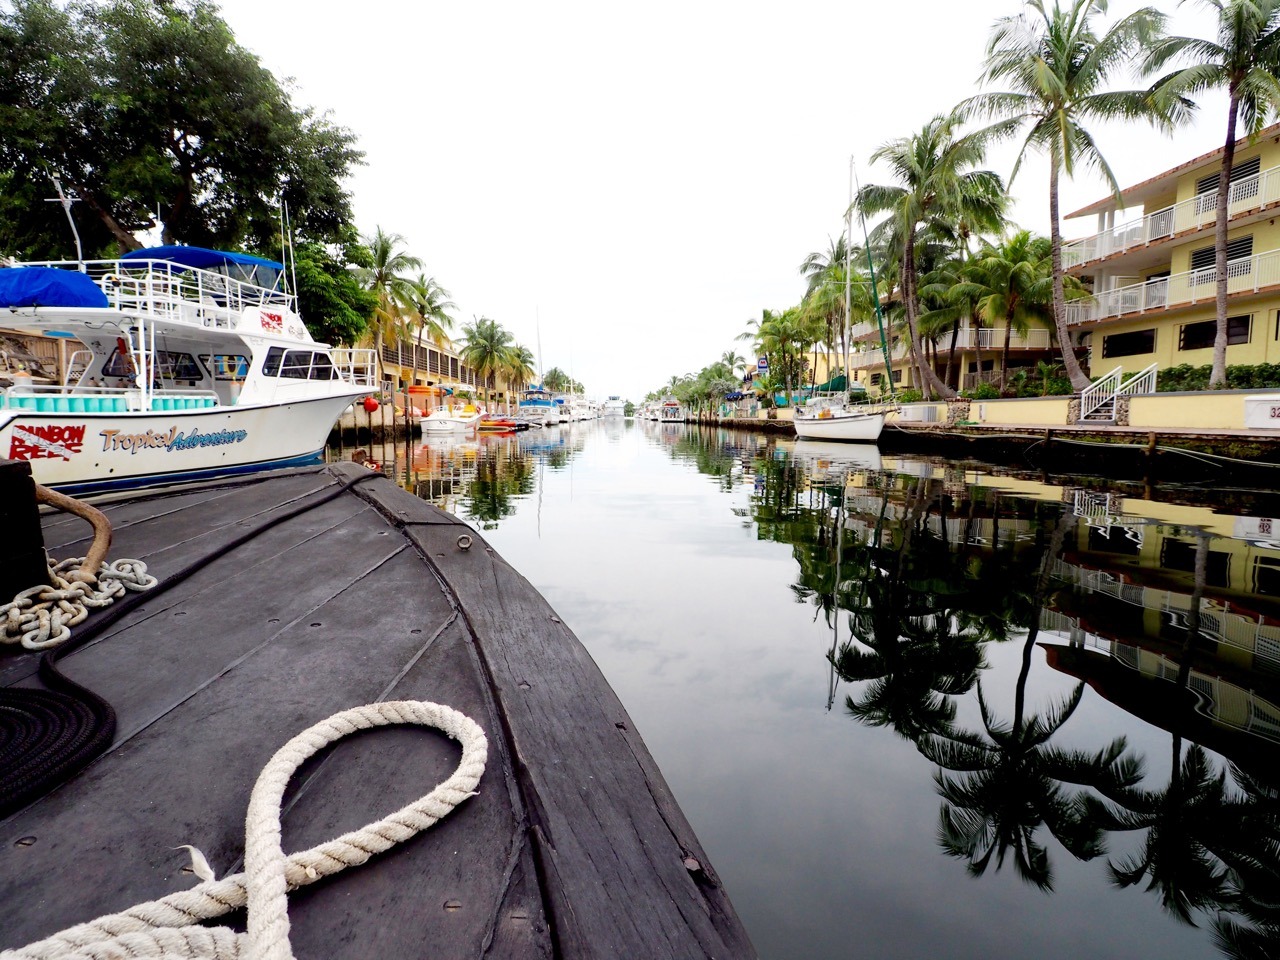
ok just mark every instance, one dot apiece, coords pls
pixel 200 257
pixel 48 287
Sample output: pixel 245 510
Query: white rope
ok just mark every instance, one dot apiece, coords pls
pixel 42 616
pixel 167 928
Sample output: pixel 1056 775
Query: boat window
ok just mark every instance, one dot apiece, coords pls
pixel 227 366
pixel 271 365
pixel 297 365
pixel 177 366
pixel 322 367
pixel 119 364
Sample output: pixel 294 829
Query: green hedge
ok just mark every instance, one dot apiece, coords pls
pixel 1239 377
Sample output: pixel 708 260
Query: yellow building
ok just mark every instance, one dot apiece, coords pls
pixel 1153 277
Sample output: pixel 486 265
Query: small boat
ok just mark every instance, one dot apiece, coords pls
pixel 190 364
pixel 452 417
pixel 835 418
pixel 671 412
pixel 492 423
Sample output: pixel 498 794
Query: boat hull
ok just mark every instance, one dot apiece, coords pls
pixel 858 428
pixel 86 453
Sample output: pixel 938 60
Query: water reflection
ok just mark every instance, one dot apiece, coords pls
pixel 1168 621
pixel 980 622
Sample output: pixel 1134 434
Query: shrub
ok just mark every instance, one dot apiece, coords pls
pixel 985 391
pixel 1239 377
pixel 910 396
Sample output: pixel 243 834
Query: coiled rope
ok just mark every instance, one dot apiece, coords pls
pixel 167 928
pixel 42 616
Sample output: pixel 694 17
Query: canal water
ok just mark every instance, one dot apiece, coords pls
pixel 917 708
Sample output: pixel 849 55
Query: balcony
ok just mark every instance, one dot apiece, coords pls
pixel 863 359
pixel 992 338
pixel 1198 213
pixel 1245 275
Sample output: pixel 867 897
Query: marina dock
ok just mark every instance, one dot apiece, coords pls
pixel 291 596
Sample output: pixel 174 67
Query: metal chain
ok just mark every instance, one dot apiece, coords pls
pixel 42 616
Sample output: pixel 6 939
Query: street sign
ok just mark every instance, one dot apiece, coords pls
pixel 762 363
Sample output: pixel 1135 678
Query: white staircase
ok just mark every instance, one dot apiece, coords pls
pixel 1098 401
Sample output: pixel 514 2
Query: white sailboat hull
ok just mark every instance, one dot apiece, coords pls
pixel 857 427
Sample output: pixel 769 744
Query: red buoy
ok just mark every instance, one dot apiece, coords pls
pixel 370 405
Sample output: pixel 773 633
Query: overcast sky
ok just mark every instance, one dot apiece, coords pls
pixel 634 182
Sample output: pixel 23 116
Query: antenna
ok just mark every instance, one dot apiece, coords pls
pixel 66 202
pixel 293 260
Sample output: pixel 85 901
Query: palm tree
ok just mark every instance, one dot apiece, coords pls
pixel 1057 65
pixel 937 188
pixel 815 266
pixel 1244 59
pixel 734 362
pixel 387 280
pixel 556 380
pixel 486 349
pixel 430 305
pixel 520 366
pixel 1010 282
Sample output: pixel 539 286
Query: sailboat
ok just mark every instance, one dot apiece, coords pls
pixel 837 417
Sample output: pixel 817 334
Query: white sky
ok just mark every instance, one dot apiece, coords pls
pixel 638 181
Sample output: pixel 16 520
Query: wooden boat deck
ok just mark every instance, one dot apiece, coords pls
pixel 574 846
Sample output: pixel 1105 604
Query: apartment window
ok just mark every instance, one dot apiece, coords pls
pixel 897 375
pixel 876 378
pixel 1129 344
pixel 1202 260
pixel 1200 336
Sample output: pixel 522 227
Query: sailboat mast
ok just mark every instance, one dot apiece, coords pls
pixel 848 279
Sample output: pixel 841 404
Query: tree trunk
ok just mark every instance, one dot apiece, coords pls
pixel 951 356
pixel 127 239
pixel 929 382
pixel 1079 381
pixel 1004 357
pixel 1218 375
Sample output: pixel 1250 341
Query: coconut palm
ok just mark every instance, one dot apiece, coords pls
pixel 430 306
pixel 815 266
pixel 734 362
pixel 387 279
pixel 1012 282
pixel 520 366
pixel 557 380
pixel 486 349
pixel 1244 60
pixel 937 188
pixel 1057 65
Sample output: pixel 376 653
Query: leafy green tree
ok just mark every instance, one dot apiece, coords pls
pixel 332 301
pixel 151 113
pixel 520 368
pixel 1243 60
pixel 938 188
pixel 1057 66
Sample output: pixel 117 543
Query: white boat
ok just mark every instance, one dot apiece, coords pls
pixel 614 407
pixel 835 418
pixel 671 412
pixel 537 407
pixel 451 418
pixel 192 363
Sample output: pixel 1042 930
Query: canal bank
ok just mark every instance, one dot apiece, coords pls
pixel 1196 437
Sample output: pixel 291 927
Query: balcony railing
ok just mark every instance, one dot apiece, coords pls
pixel 871 358
pixel 1247 193
pixel 1245 275
pixel 992 338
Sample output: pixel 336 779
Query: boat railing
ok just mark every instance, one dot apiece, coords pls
pixel 42 398
pixel 160 288
pixel 359 367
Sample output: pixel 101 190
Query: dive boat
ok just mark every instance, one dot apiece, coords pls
pixel 835 418
pixel 192 364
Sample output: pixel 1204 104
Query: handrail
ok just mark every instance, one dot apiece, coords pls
pixel 1100 394
pixel 1144 381
pixel 1247 193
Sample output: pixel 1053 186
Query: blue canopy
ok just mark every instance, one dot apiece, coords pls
pixel 200 257
pixel 48 287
